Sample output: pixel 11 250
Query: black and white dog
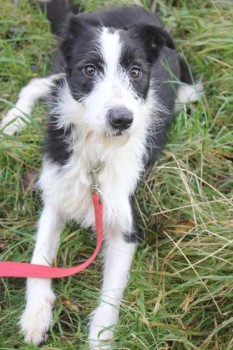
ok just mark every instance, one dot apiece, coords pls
pixel 116 86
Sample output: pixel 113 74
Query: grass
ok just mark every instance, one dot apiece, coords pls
pixel 180 293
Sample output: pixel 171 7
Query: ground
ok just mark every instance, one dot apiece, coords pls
pixel 180 293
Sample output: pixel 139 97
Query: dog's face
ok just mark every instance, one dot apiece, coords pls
pixel 108 72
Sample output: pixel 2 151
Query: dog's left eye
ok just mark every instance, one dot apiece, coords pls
pixel 135 73
pixel 90 70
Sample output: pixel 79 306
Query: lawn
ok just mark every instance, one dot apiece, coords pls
pixel 180 293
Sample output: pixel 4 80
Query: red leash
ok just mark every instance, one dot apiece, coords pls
pixel 17 269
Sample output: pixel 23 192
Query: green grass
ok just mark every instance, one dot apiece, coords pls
pixel 180 293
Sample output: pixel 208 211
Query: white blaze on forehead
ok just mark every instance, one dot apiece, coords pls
pixel 111 49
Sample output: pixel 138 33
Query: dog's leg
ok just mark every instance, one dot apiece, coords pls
pixel 17 118
pixel 37 316
pixel 118 255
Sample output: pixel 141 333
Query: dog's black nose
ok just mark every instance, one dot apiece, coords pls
pixel 120 118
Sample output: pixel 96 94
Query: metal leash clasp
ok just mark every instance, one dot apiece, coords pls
pixel 94 172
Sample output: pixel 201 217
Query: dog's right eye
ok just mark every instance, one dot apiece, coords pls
pixel 90 70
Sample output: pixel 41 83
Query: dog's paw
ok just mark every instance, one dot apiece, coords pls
pixel 36 320
pixel 13 122
pixel 102 324
pixel 100 345
pixel 100 338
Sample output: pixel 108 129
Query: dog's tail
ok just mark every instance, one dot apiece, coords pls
pixel 189 90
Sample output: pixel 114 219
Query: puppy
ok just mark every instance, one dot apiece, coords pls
pixel 116 84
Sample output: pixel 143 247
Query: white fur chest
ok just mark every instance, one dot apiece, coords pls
pixel 68 187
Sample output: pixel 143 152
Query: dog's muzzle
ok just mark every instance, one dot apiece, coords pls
pixel 120 118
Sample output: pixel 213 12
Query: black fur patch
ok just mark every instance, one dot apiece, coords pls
pixel 56 142
pixel 132 237
pixel 135 236
pixel 163 73
pixel 80 50
pixel 56 145
pixel 134 56
pixel 142 44
pixel 150 38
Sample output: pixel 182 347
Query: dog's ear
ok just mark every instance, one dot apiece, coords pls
pixel 74 28
pixel 152 38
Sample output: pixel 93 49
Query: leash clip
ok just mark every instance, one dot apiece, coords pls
pixel 94 172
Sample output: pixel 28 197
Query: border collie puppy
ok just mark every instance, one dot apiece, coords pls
pixel 113 95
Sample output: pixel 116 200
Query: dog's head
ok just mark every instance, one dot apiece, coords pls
pixel 109 71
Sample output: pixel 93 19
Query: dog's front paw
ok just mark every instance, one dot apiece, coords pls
pixel 102 324
pixel 100 345
pixel 36 320
pixel 13 122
